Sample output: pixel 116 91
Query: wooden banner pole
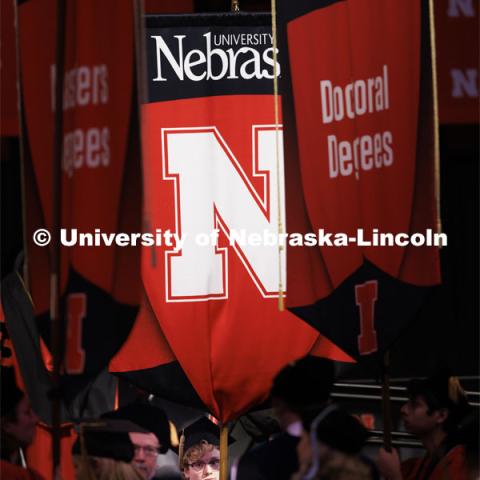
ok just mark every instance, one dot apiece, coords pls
pixel 276 98
pixel 56 324
pixel 436 121
pixel 224 452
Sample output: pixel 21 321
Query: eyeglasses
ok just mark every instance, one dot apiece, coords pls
pixel 199 465
pixel 148 450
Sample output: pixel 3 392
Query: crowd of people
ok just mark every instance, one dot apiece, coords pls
pixel 318 440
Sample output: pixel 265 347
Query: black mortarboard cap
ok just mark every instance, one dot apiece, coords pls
pixel 10 394
pixel 106 438
pixel 202 429
pixel 148 418
pixel 441 388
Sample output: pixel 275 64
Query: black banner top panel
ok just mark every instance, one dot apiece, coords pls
pixel 195 56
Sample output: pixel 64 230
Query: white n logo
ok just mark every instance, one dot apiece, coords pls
pixel 212 192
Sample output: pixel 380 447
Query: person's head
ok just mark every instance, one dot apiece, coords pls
pixel 302 389
pixel 18 421
pixel 21 424
pixel 103 450
pixel 150 434
pixel 202 462
pixel 336 429
pixel 146 449
pixel 435 404
pixel 334 437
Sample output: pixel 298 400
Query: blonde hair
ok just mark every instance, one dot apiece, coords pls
pixel 100 468
pixel 196 452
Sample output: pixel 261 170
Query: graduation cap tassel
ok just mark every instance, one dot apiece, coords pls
pixel 223 452
pixel 455 390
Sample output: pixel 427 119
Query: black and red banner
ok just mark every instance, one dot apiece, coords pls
pixel 358 116
pixel 209 170
pixel 100 180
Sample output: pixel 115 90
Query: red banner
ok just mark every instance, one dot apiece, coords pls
pixel 209 171
pixel 168 6
pixel 7 351
pixel 39 454
pixel 361 121
pixel 359 164
pixel 8 72
pixel 100 181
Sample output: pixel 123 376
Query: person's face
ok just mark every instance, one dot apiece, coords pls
pixel 205 468
pixel 416 418
pixel 146 447
pixel 23 430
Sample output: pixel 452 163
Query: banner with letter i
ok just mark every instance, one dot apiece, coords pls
pixel 359 163
pixel 100 177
